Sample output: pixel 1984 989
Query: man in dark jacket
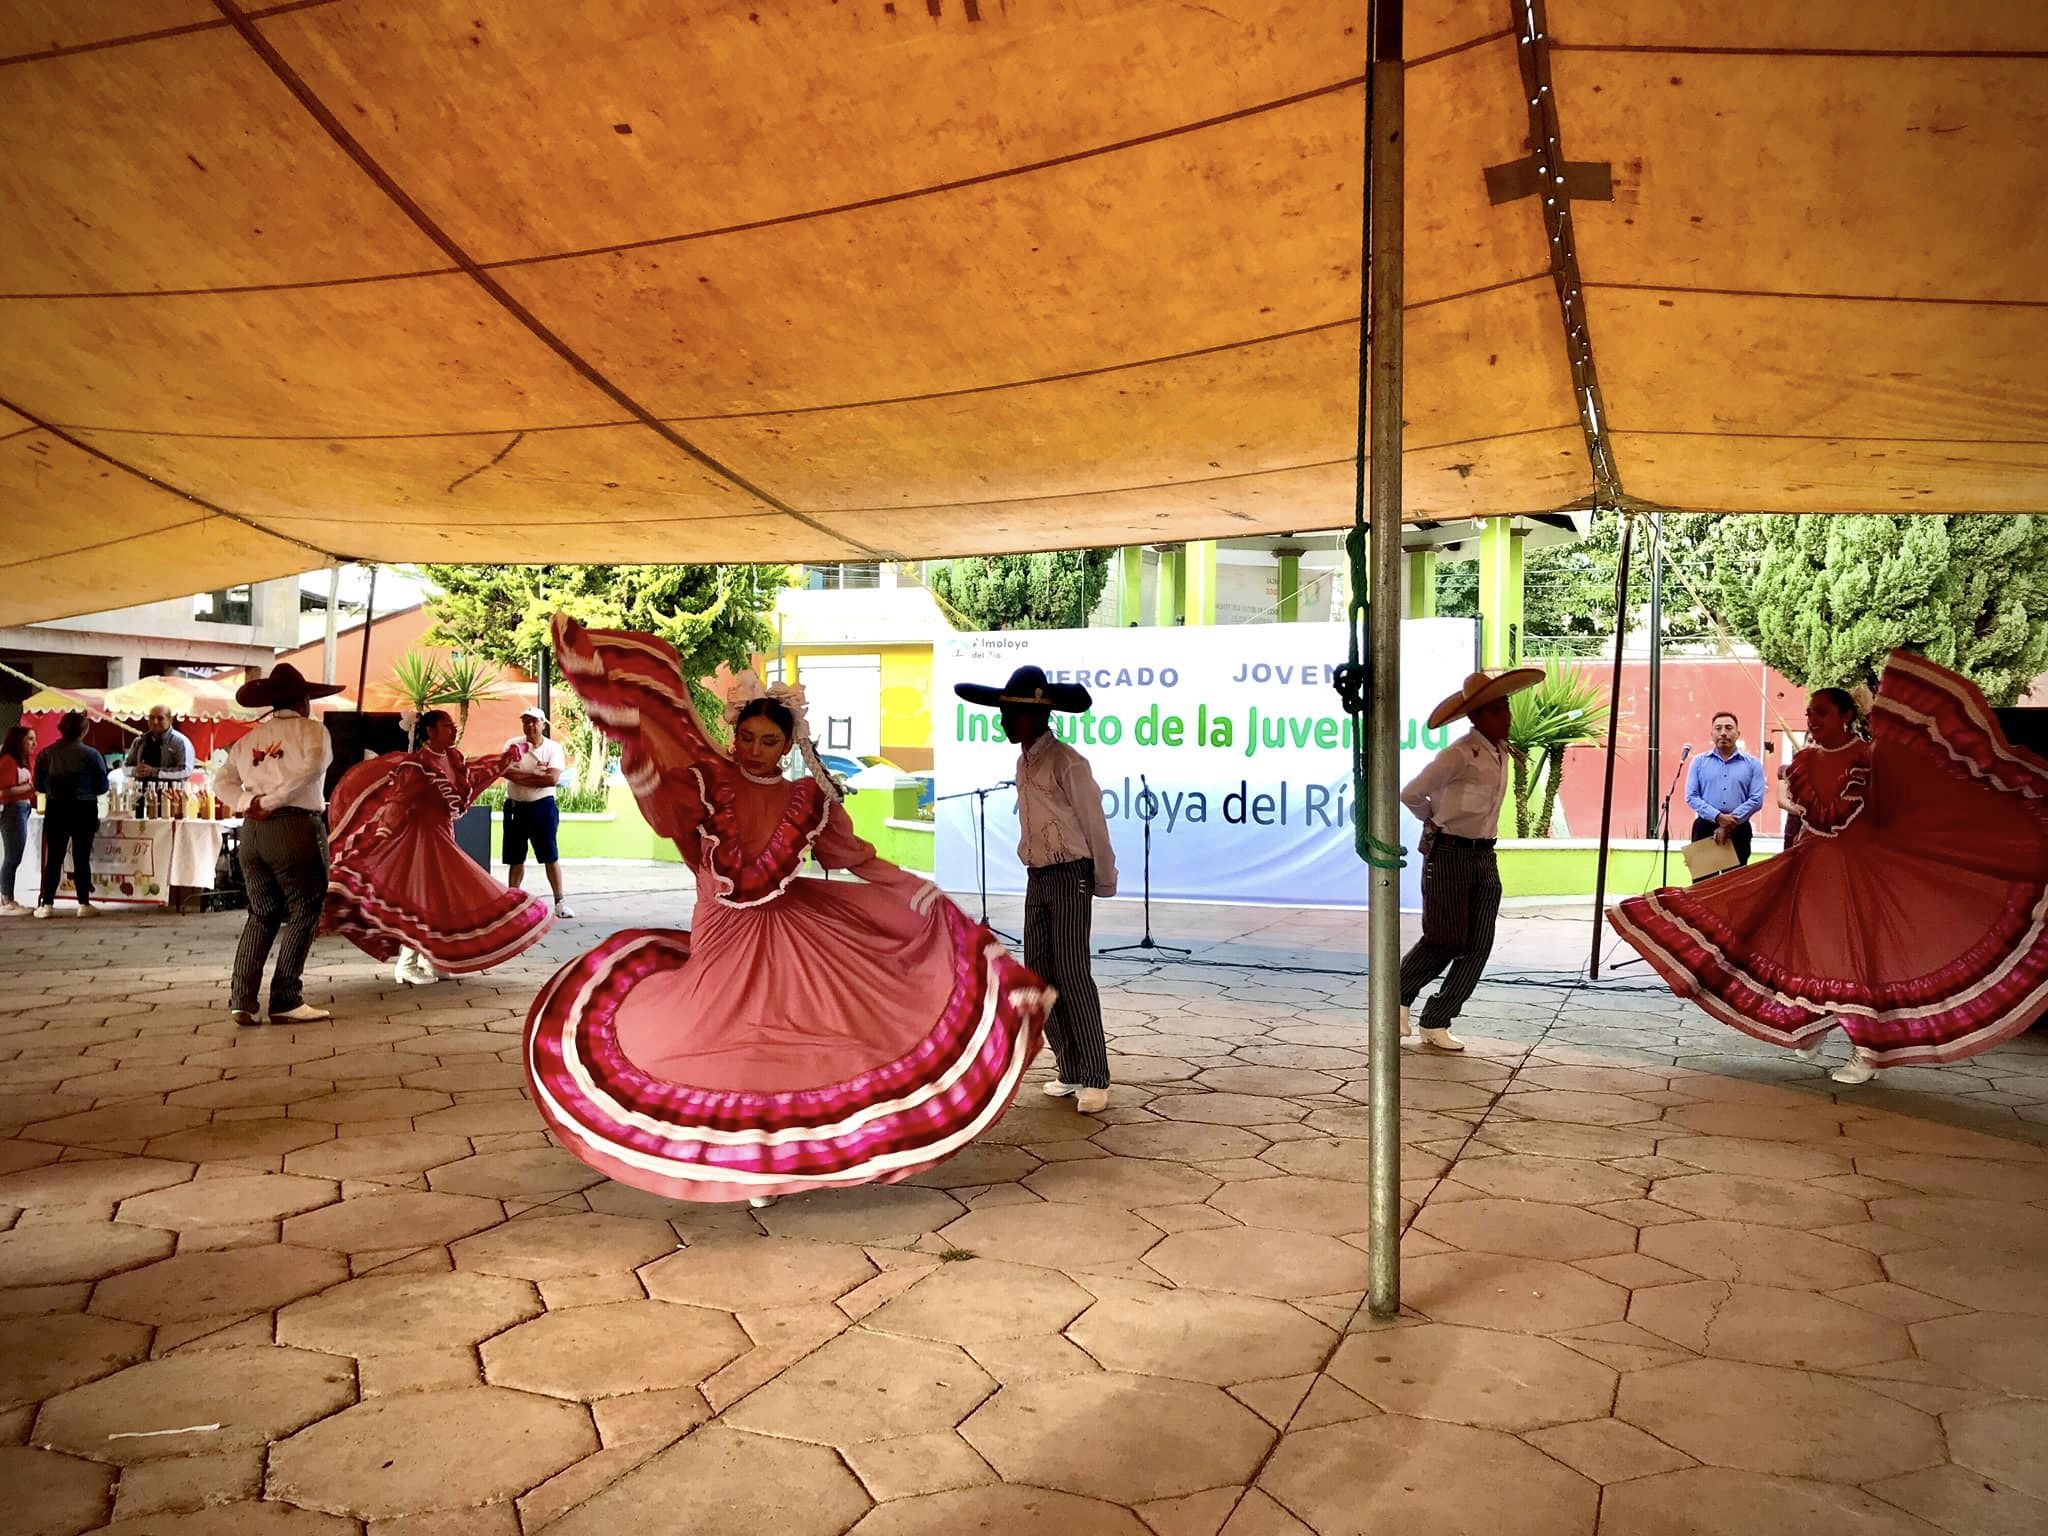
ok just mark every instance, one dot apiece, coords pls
pixel 71 778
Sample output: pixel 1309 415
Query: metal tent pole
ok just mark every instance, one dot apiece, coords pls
pixel 1656 765
pixel 363 667
pixel 333 622
pixel 1628 529
pixel 1384 190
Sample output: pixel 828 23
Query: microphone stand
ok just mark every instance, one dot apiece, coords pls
pixel 980 798
pixel 1148 807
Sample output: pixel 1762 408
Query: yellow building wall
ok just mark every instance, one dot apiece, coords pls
pixel 906 695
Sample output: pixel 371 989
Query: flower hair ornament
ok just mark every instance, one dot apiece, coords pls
pixel 748 687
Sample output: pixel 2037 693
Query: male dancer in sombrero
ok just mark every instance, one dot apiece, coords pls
pixel 1064 843
pixel 1457 798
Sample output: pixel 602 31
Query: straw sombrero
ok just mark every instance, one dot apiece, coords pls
pixel 1481 689
pixel 1028 685
pixel 285 685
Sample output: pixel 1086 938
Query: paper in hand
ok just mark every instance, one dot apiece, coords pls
pixel 1707 857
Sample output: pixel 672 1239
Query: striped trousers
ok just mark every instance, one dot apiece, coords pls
pixel 1059 914
pixel 1460 903
pixel 284 868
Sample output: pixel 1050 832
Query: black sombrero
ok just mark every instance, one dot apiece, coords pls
pixel 1028 685
pixel 285 685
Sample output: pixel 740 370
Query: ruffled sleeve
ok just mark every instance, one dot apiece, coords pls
pixel 634 688
pixel 840 847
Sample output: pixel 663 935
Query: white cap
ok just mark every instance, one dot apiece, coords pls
pixel 534 712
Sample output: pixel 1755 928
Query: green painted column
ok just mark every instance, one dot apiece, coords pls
pixel 1130 585
pixel 1422 584
pixel 1500 592
pixel 1169 598
pixel 1290 584
pixel 1201 581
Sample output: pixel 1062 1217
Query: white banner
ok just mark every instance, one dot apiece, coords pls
pixel 1235 728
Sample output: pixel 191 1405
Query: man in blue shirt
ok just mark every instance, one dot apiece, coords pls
pixel 1725 789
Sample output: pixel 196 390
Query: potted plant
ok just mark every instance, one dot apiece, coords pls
pixel 1562 711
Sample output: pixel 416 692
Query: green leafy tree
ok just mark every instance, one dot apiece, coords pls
pixel 1564 710
pixel 1568 589
pixel 1824 599
pixel 1050 591
pixel 712 614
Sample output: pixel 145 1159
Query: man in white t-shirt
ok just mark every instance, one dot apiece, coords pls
pixel 531 815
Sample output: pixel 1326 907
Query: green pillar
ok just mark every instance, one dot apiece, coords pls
pixel 1130 585
pixel 1201 581
pixel 1290 584
pixel 1500 592
pixel 1169 598
pixel 1422 584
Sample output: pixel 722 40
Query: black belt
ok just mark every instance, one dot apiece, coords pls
pixel 290 810
pixel 1052 869
pixel 1463 842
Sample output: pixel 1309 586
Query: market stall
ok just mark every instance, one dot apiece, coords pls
pixel 142 862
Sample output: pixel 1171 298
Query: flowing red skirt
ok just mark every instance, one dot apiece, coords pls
pixel 398 879
pixel 1920 927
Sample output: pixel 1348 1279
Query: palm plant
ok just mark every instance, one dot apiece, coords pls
pixel 416 682
pixel 1562 711
pixel 422 683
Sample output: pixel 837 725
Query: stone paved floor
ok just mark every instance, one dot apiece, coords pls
pixel 317 1280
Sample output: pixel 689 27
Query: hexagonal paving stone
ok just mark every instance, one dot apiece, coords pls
pixel 2003 1441
pixel 757 1272
pixel 1570 1108
pixel 1001 1510
pixel 214 1283
pixel 91 1181
pixel 44 1355
pixel 249 1518
pixel 1715 1501
pixel 1734 1250
pixel 614 1348
pixel 419 1451
pixel 403 1314
pixel 1486 1290
pixel 720 1482
pixel 977 1300
pixel 1226 1108
pixel 117 1123
pixel 1270 1082
pixel 1972 1277
pixel 1125 1182
pixel 875 1213
pixel 356 1104
pixel 256 1394
pixel 262 1141
pixel 1764 1419
pixel 1026 1124
pixel 1253 1262
pixel 2000 1225
pixel 1545 1138
pixel 1565 1180
pixel 229 1201
pixel 1755 1159
pixel 1764 1202
pixel 1178 1142
pixel 269 1090
pixel 1372 1476
pixel 1958 1175
pixel 1473 1376
pixel 1202 1336
pixel 53 1495
pixel 1342 1158
pixel 535 1173
pixel 1767 1326
pixel 1297 1205
pixel 395 1155
pixel 1526 1228
pixel 1999 1350
pixel 1123 1438
pixel 54 1253
pixel 552 1247
pixel 866 1386
pixel 979 1164
pixel 1057 1236
pixel 481 1117
pixel 403 1219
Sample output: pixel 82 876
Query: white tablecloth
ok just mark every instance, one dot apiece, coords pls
pixel 136 862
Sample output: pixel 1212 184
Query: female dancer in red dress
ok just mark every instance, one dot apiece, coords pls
pixel 1912 911
pixel 399 886
pixel 804 1034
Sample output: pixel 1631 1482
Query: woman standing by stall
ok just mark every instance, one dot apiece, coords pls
pixel 17 794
